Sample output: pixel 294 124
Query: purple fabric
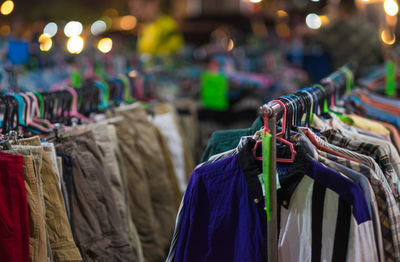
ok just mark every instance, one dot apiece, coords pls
pixel 220 221
pixel 346 188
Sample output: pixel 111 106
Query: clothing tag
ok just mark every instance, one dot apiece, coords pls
pixel 214 91
pixel 266 156
pixel 261 179
pixel 390 78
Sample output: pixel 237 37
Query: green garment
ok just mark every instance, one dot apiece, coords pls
pixel 225 140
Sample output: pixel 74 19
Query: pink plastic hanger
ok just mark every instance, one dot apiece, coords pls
pixel 74 109
pixel 28 119
pixel 36 109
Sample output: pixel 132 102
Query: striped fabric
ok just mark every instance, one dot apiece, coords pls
pixel 390 220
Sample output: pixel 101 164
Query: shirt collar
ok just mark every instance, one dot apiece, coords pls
pixel 289 181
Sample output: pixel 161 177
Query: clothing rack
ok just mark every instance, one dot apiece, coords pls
pixel 336 81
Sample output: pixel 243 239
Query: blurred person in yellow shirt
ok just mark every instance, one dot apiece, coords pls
pixel 159 34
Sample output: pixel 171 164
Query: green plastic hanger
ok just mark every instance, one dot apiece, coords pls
pixel 41 103
pixel 128 99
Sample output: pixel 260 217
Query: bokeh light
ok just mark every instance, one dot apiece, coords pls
pixel 51 29
pixel 391 7
pixel 281 14
pixel 45 42
pixel 73 28
pixel 231 45
pixel 127 22
pixel 313 21
pixel 324 19
pixel 7 7
pixel 255 1
pixel 75 45
pixel 98 27
pixel 105 45
pixel 388 37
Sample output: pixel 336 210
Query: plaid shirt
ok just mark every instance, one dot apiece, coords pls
pixel 389 212
pixel 375 151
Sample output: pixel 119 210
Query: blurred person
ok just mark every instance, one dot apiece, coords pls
pixel 159 34
pixel 349 38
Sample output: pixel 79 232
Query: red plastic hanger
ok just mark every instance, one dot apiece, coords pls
pixel 266 130
pixel 278 137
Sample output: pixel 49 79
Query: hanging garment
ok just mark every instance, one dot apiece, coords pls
pixel 37 229
pixel 62 244
pixel 150 194
pixel 96 222
pixel 14 241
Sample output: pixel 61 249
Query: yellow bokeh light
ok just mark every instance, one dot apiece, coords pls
pixel 388 37
pixel 324 19
pixel 7 7
pixel 231 45
pixel 45 42
pixel 391 7
pixel 5 30
pixel 127 22
pixel 105 45
pixel 75 45
pixel 282 30
pixel 255 1
pixel 281 13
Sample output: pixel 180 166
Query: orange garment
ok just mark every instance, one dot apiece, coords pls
pixel 388 108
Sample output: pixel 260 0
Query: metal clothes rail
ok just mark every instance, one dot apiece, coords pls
pixel 336 80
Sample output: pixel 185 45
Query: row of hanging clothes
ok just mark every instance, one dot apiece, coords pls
pixel 330 153
pixel 91 173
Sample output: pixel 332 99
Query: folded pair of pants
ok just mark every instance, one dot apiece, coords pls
pixel 150 195
pixel 96 223
pixel 63 247
pixel 14 225
pixel 37 229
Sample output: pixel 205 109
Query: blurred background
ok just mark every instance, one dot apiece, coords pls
pixel 247 51
pixel 299 28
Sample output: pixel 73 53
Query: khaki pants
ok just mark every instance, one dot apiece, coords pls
pixel 150 195
pixel 96 222
pixel 59 231
pixel 37 232
pixel 106 139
